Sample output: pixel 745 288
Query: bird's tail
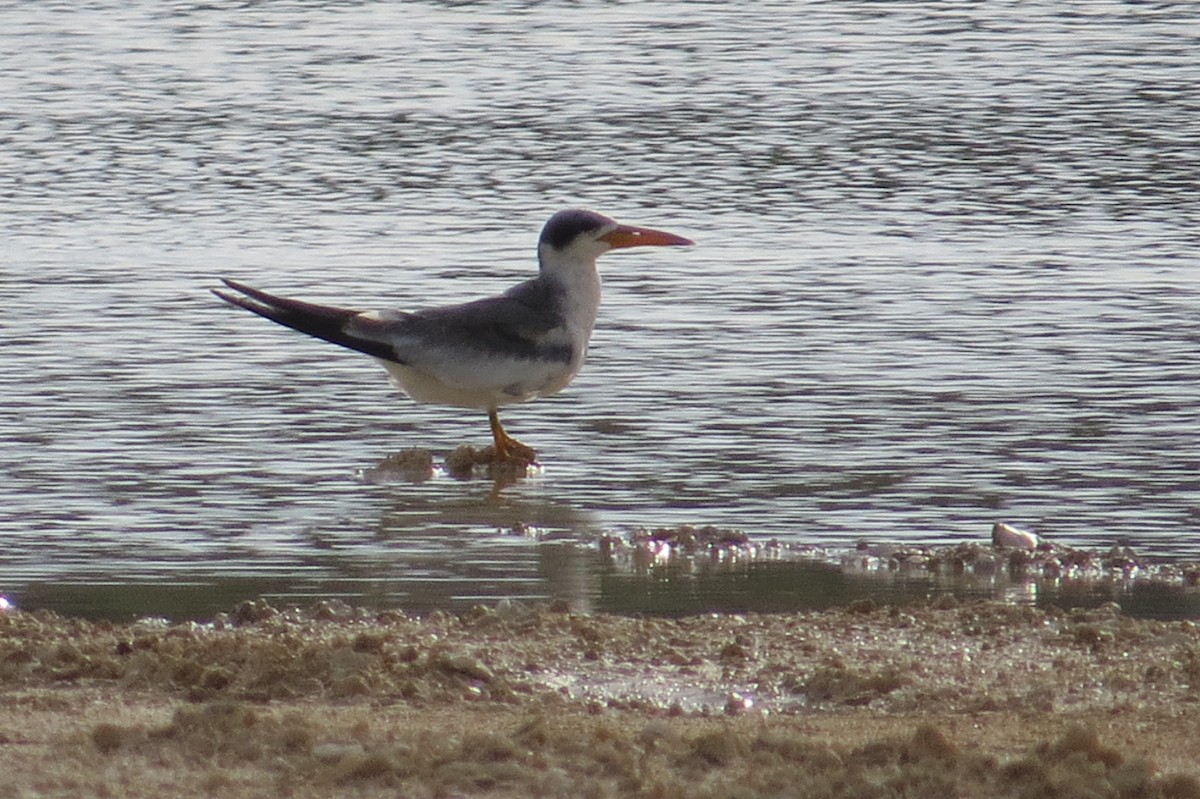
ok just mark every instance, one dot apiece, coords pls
pixel 322 321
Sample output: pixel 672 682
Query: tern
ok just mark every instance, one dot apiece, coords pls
pixel 526 343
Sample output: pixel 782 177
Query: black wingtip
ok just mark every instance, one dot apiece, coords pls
pixel 239 287
pixel 325 322
pixel 255 294
pixel 230 298
pixel 234 299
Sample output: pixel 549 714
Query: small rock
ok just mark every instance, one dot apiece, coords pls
pixel 333 753
pixel 1007 536
pixel 464 666
pixel 108 737
pixel 737 704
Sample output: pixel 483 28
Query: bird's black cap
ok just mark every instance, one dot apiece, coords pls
pixel 564 226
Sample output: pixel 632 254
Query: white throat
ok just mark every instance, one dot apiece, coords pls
pixel 579 280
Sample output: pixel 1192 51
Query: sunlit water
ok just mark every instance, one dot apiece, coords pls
pixel 947 273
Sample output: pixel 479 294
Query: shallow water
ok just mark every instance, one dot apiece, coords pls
pixel 946 274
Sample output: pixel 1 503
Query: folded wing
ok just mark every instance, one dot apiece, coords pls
pixel 450 343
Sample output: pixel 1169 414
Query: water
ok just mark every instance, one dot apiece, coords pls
pixel 946 274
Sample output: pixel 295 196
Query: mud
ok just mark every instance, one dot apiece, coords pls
pixel 981 699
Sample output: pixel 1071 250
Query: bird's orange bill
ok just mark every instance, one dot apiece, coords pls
pixel 630 236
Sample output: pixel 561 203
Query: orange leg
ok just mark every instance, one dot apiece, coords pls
pixel 507 447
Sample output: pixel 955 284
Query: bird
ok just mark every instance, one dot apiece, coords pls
pixel 528 342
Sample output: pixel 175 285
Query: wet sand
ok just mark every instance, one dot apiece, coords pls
pixel 968 700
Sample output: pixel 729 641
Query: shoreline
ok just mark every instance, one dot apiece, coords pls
pixel 676 571
pixel 966 699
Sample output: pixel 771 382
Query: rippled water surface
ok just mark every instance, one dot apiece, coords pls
pixel 947 273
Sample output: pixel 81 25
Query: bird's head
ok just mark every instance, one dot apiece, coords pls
pixel 580 236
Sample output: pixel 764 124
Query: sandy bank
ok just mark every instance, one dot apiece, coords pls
pixel 972 700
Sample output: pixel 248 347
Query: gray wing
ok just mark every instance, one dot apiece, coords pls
pixel 520 324
pixel 523 323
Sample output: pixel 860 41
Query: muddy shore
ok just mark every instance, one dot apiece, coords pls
pixel 968 700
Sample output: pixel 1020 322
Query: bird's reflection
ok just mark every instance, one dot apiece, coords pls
pixel 448 542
